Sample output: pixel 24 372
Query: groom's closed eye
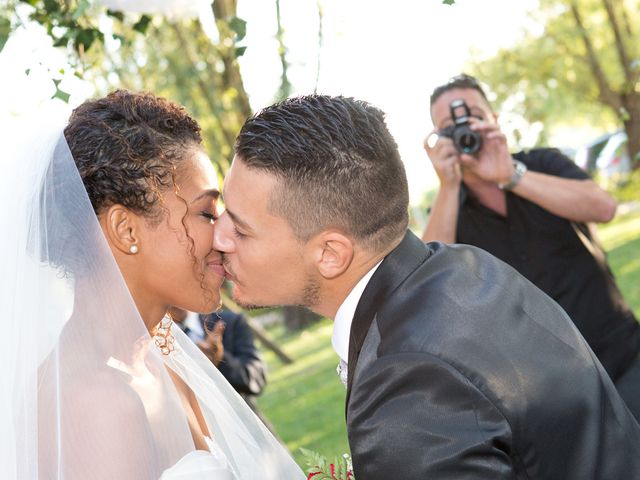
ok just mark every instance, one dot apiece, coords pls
pixel 237 233
pixel 239 226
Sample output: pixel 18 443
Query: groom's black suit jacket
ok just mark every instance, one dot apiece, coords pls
pixel 460 368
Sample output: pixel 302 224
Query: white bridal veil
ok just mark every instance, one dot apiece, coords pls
pixel 86 393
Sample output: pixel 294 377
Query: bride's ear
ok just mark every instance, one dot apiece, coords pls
pixel 332 253
pixel 122 229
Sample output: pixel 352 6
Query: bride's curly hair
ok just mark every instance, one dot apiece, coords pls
pixel 127 147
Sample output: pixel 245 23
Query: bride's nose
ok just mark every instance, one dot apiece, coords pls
pixel 222 234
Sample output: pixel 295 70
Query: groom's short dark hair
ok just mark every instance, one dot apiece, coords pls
pixel 337 165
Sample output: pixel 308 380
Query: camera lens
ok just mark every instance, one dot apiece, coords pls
pixel 466 140
pixel 469 143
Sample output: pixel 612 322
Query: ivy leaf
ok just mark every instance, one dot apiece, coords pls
pixel 240 51
pixel 142 24
pixel 62 41
pixel 61 94
pixel 86 37
pixel 51 6
pixel 116 14
pixel 5 30
pixel 239 26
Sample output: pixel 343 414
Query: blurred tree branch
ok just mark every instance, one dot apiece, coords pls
pixel 548 77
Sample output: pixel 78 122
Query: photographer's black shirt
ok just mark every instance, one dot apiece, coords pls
pixel 561 257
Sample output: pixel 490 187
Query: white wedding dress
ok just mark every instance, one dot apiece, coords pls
pixel 200 464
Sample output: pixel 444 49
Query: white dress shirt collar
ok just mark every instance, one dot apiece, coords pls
pixel 344 316
pixel 196 331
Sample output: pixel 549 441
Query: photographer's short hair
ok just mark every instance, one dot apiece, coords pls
pixel 337 165
pixel 459 81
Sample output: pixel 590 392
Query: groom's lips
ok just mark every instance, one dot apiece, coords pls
pixel 228 274
pixel 227 270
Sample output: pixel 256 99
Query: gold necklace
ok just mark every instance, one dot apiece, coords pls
pixel 163 336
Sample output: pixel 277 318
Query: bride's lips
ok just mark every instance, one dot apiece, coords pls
pixel 216 266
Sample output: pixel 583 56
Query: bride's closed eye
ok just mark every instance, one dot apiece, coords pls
pixel 212 217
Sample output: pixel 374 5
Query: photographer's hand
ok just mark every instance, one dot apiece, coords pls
pixel 212 346
pixel 445 159
pixel 493 162
pixel 444 210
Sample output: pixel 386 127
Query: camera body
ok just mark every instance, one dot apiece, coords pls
pixel 465 140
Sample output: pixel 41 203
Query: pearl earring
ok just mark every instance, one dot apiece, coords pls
pixel 133 249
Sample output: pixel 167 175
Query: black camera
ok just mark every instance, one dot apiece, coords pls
pixel 465 140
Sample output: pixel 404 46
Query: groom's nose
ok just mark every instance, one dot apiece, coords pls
pixel 222 234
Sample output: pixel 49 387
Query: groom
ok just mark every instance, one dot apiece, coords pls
pixel 458 367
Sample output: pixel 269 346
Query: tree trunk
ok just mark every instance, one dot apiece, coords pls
pixel 285 85
pixel 224 11
pixel 632 127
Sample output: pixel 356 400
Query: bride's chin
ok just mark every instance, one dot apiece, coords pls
pixel 208 307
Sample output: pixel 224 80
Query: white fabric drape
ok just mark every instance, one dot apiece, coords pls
pixel 86 393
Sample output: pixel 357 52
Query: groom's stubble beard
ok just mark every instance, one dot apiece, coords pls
pixel 309 297
pixel 311 293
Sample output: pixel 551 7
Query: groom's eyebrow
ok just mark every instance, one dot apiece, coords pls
pixel 242 224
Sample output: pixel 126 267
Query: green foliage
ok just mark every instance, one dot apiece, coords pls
pixel 61 94
pixel 548 76
pixel 177 60
pixel 448 2
pixel 143 24
pixel 73 25
pixel 630 191
pixel 5 30
pixel 67 23
pixel 319 468
pixel 239 26
pixel 621 239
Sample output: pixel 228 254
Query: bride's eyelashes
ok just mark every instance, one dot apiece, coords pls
pixel 212 217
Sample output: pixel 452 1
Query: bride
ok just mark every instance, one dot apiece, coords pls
pixel 107 220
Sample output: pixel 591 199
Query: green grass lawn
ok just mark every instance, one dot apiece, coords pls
pixel 305 400
pixel 621 239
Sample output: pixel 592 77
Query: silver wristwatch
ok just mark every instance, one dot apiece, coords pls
pixel 518 171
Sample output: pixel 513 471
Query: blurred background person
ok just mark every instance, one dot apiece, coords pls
pixel 227 340
pixel 534 210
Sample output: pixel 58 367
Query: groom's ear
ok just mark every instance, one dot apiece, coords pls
pixel 332 253
pixel 121 227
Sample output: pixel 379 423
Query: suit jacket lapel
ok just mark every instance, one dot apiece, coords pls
pixel 396 266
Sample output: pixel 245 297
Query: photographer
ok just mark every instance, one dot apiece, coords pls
pixel 532 210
